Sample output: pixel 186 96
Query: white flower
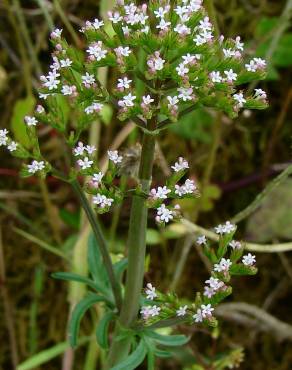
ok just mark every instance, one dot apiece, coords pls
pixel 189 186
pixel 12 146
pixel 198 317
pixel 127 101
pixel 249 259
pixel 68 90
pixel 225 229
pixel 90 149
pixel 214 283
pixel 181 10
pixel 145 29
pixel 147 99
pixel 150 292
pixel 199 40
pixel 234 244
pixel 65 63
pixel 223 265
pixel 97 24
pixel 161 12
pixel 261 63
pixel 229 227
pixel 146 312
pixel 172 101
pixel 51 80
pixel 251 67
pixel 96 51
pixel 79 149
pixel 195 5
pixel 56 33
pixel 36 166
pixel 179 190
pixel 158 62
pixel 115 17
pixel 260 94
pixel 208 292
pixel 88 79
pixel 97 177
pixel 94 107
pixel 182 311
pixel 182 29
pixel 40 109
pixel 163 25
pixel 205 24
pixel 240 99
pixel 189 59
pixel 164 214
pixel 230 75
pixel 238 44
pixel 207 310
pixel 202 240
pixel 126 30
pixel 102 201
pixel 84 163
pixel 229 53
pixel 30 121
pixel 149 311
pixel 123 51
pixel 160 193
pixel 114 156
pixel 185 93
pixel 44 96
pixel 180 165
pixel 182 69
pixel 216 76
pixel 124 83
pixel 4 133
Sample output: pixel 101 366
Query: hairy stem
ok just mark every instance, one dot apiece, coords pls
pixel 136 254
pixel 100 241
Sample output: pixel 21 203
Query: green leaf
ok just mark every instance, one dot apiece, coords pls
pixel 46 355
pixel 71 219
pixel 120 267
pixel 22 108
pixel 194 125
pixel 102 329
pixel 163 354
pixel 77 315
pixel 95 263
pixel 152 237
pixel 168 340
pixel 70 276
pixel 134 360
pixel 241 269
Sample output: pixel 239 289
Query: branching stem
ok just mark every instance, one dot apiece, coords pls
pixel 100 241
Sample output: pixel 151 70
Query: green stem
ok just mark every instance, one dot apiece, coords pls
pixel 100 241
pixel 136 254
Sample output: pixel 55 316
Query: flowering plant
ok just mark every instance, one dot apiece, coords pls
pixel 174 51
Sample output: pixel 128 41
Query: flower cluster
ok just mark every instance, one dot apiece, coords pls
pixel 182 63
pixel 100 185
pixel 227 260
pixel 172 190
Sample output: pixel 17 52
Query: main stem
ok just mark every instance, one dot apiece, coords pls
pixel 136 254
pixel 101 242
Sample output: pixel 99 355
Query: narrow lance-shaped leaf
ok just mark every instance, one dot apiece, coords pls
pixel 134 360
pixel 102 329
pixel 77 315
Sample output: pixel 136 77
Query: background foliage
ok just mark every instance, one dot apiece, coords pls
pixel 42 229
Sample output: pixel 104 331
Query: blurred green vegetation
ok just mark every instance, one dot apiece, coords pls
pixel 232 162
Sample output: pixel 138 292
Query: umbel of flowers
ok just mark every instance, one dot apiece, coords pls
pixel 171 49
pixel 227 260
